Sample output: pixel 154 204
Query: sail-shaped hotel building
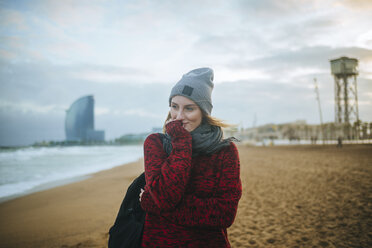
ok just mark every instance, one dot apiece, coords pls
pixel 79 124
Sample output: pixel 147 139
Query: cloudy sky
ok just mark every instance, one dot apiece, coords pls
pixel 128 54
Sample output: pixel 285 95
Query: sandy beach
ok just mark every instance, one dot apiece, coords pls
pixel 293 196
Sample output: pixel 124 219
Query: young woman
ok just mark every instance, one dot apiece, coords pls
pixel 192 174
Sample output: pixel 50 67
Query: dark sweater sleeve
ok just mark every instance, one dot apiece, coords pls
pixel 216 211
pixel 166 177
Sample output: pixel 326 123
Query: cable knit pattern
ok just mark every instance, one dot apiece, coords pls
pixel 189 201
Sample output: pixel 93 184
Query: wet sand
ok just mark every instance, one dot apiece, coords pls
pixel 293 196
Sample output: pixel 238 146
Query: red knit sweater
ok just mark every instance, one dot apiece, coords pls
pixel 189 202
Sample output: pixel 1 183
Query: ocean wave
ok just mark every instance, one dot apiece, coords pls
pixel 27 168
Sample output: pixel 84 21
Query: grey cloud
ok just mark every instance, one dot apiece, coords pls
pixel 271 102
pixel 24 81
pixel 357 4
pixel 24 128
pixel 313 57
pixel 43 85
pixel 269 10
pixel 158 40
pixel 297 33
pixel 235 43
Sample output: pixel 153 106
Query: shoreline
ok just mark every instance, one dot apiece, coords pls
pixel 58 183
pixel 46 186
pixel 302 196
pixel 36 169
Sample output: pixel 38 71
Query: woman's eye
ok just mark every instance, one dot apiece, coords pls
pixel 189 109
pixel 174 106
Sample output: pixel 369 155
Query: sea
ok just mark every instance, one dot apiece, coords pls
pixel 30 169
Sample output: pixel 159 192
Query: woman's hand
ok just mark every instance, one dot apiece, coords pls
pixel 175 128
pixel 170 120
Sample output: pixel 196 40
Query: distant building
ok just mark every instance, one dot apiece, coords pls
pixel 79 125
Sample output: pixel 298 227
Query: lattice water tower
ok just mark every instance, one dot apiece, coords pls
pixel 345 71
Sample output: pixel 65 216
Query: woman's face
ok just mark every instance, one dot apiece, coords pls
pixel 187 111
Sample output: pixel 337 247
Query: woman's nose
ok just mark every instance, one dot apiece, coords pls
pixel 179 115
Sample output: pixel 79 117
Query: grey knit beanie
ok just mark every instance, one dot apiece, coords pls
pixel 197 85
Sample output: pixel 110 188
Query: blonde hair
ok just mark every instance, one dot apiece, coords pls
pixel 205 119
